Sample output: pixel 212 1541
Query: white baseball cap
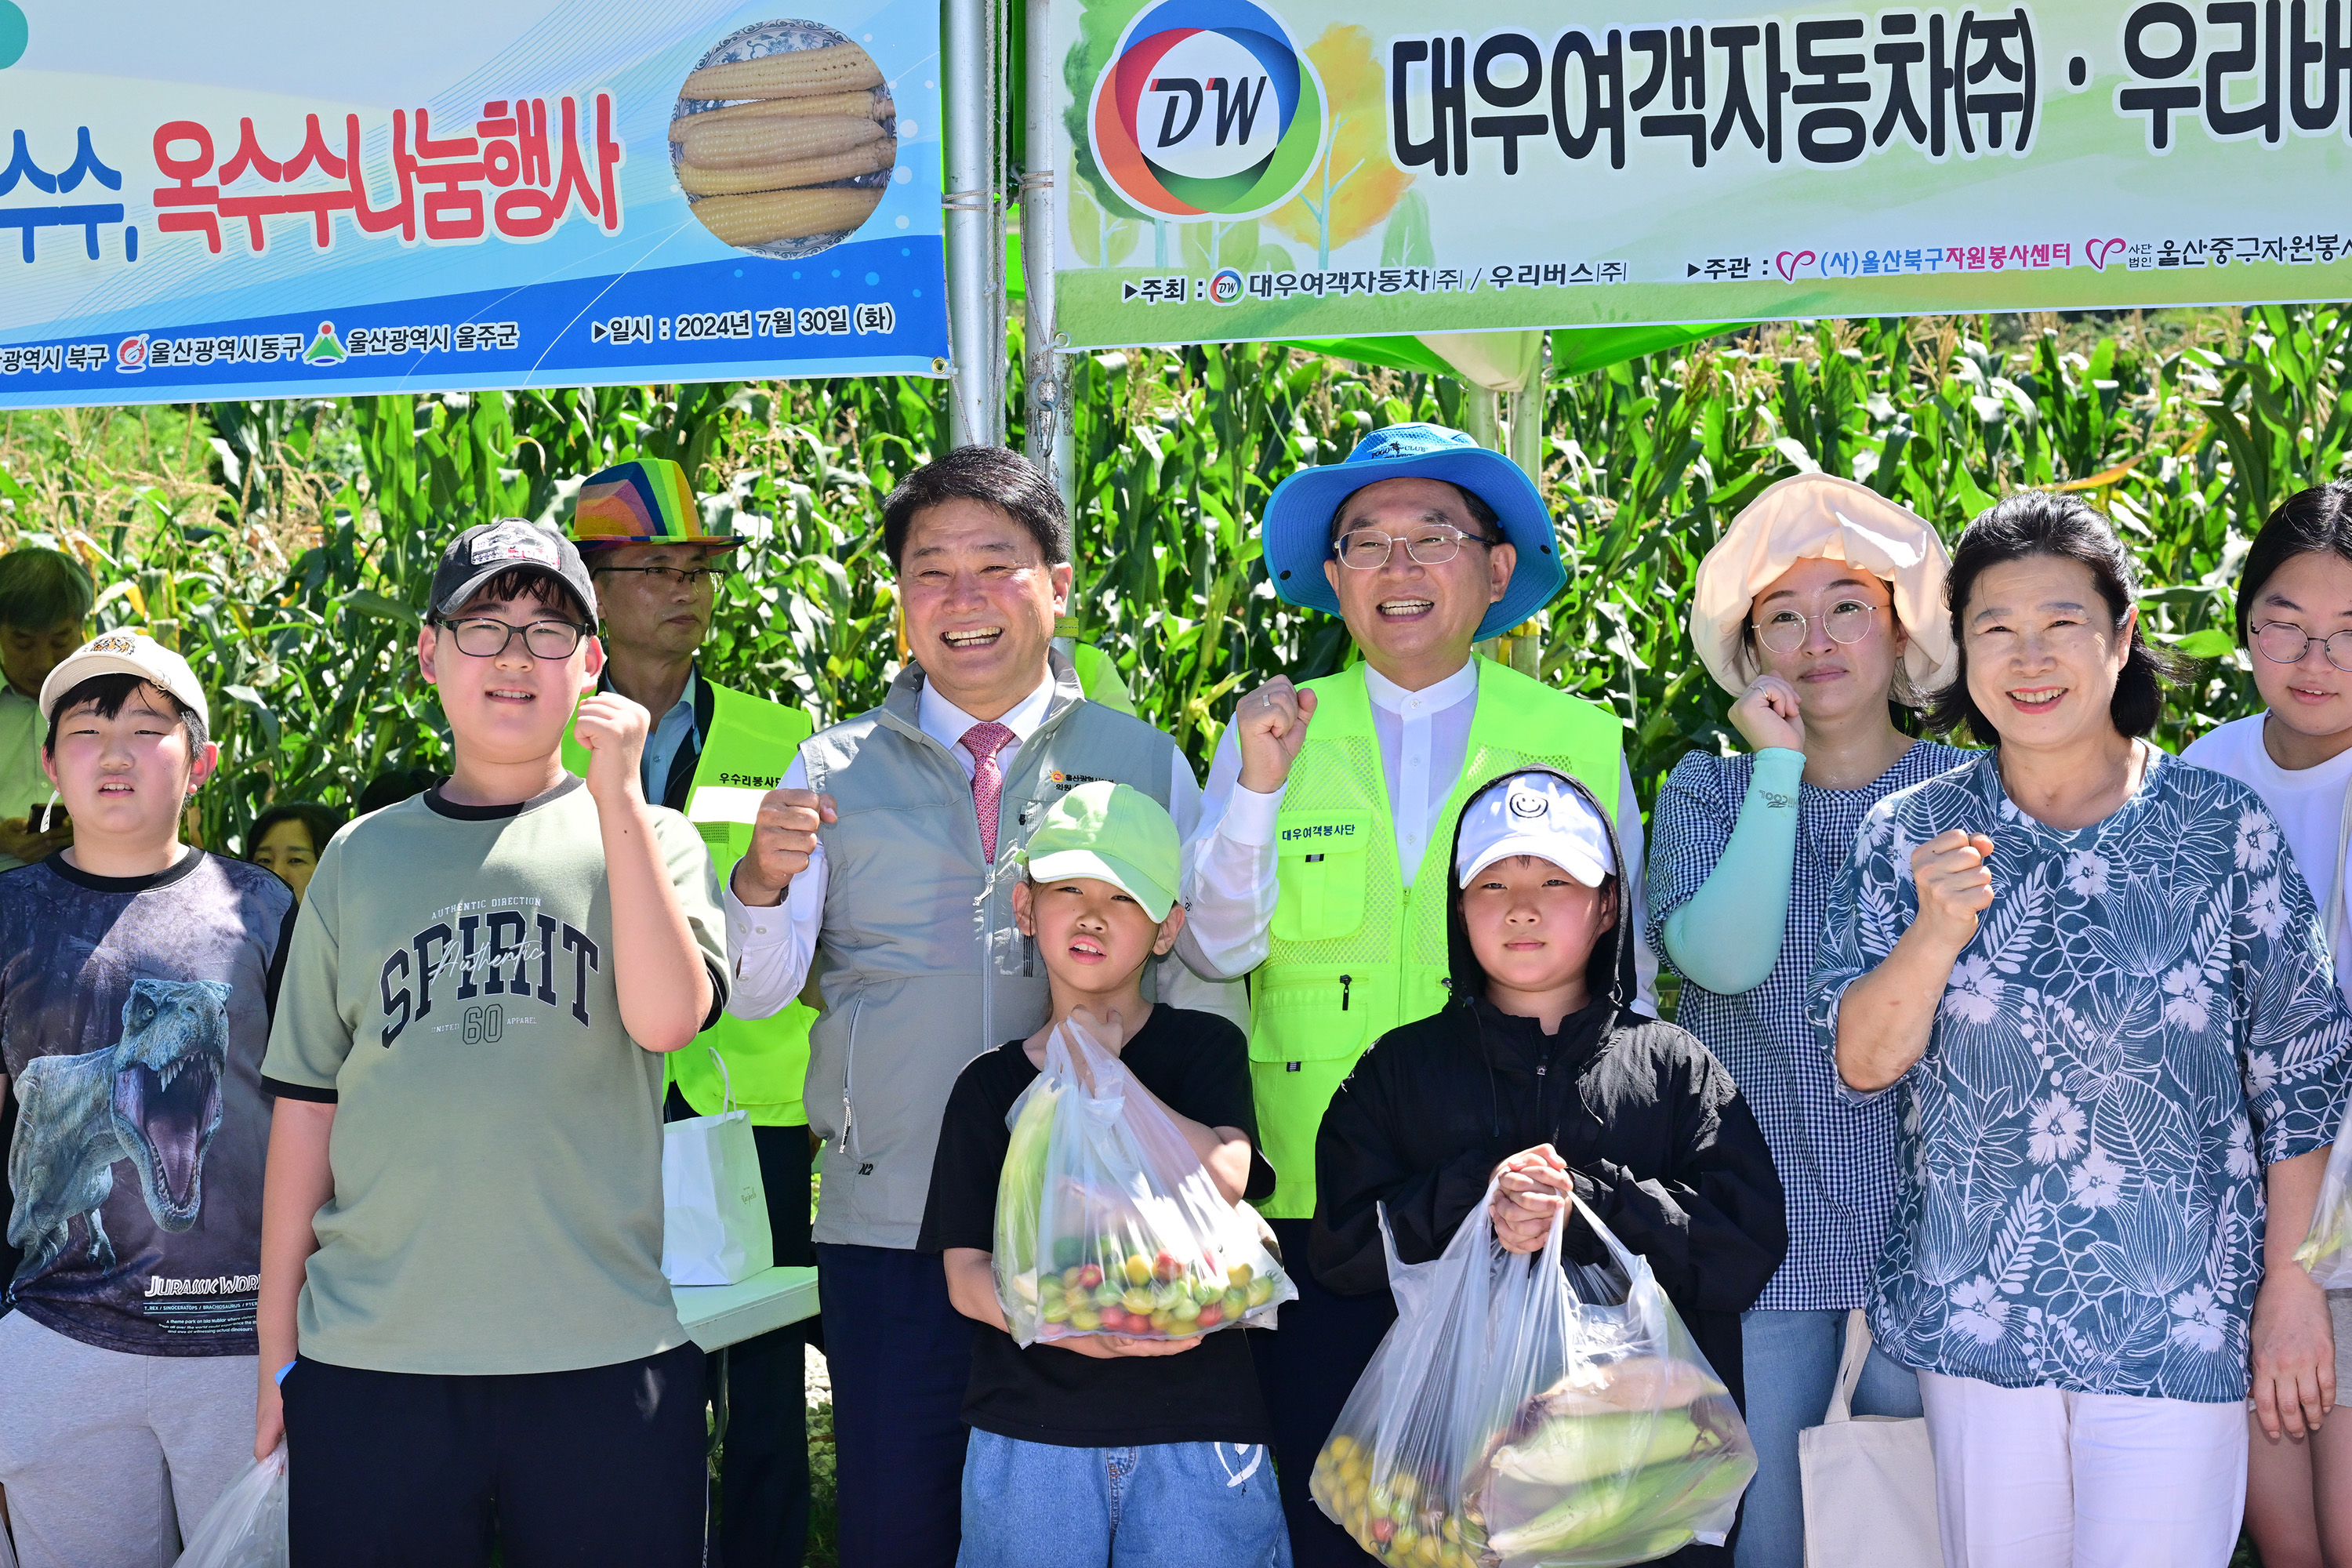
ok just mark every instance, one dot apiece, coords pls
pixel 1539 813
pixel 125 653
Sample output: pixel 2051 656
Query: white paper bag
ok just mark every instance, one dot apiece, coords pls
pixel 714 1209
pixel 1869 1480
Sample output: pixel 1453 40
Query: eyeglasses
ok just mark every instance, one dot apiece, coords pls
pixel 482 637
pixel 2282 643
pixel 685 576
pixel 1848 622
pixel 1432 545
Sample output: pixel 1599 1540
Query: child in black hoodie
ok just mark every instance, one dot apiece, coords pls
pixel 1537 1072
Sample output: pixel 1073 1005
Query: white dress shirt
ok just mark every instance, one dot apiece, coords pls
pixel 772 947
pixel 1230 885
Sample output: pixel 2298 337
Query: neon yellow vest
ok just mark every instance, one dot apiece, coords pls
pixel 751 743
pixel 1355 952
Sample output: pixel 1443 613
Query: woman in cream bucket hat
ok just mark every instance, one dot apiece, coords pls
pixel 1822 606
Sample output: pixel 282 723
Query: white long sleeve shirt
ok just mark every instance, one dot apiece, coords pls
pixel 1230 885
pixel 772 947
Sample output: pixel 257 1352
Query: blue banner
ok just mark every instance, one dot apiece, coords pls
pixel 287 200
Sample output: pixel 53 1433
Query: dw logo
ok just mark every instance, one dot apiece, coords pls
pixel 1207 110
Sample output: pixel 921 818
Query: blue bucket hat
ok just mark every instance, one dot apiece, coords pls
pixel 1297 526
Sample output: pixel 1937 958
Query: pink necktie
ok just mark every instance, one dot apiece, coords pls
pixel 983 742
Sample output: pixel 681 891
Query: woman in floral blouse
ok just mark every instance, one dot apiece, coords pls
pixel 2104 995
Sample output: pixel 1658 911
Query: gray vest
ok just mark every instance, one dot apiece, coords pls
pixel 920 964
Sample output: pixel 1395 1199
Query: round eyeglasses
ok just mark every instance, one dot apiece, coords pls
pixel 1848 622
pixel 687 576
pixel 480 637
pixel 2284 643
pixel 1432 545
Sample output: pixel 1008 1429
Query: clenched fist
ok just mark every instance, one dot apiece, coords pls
pixel 1270 726
pixel 614 729
pixel 782 839
pixel 1955 885
pixel 1769 713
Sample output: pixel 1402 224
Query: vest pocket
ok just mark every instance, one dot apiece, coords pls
pixel 1320 869
pixel 1300 1014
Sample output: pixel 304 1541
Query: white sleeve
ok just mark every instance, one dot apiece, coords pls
pixel 1629 834
pixel 1188 982
pixel 771 948
pixel 1229 882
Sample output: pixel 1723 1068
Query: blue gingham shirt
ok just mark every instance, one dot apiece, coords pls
pixel 1836 1158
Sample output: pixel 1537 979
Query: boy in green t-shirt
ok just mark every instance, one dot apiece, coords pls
pixel 462 1305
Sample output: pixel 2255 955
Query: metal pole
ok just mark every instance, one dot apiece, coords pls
pixel 975 395
pixel 1051 421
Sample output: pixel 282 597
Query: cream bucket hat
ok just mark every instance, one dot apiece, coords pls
pixel 1820 515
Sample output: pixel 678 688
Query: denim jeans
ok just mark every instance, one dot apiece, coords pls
pixel 1792 1361
pixel 1163 1505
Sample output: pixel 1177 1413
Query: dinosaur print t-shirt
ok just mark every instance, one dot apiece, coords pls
pixel 134 1012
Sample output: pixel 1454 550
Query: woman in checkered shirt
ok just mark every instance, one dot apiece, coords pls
pixel 1821 608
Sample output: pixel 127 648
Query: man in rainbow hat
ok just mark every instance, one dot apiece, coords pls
pixel 1318 868
pixel 711 754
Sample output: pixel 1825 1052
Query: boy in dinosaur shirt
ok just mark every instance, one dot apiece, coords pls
pixel 137 978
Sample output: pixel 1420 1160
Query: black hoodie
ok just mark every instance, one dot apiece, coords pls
pixel 1661 1142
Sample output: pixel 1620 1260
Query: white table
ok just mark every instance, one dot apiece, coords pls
pixel 716 1316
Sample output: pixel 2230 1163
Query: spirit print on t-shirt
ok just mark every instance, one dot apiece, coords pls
pixel 503 955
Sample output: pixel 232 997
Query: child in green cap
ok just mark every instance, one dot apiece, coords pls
pixel 1105 1446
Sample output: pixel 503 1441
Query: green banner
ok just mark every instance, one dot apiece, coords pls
pixel 1327 169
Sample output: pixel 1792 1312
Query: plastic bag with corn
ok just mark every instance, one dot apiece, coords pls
pixel 1106 1222
pixel 1522 1413
pixel 2326 1250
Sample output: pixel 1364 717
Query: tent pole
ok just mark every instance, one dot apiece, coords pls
pixel 1052 423
pixel 975 395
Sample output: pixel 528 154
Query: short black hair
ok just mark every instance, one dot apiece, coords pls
pixel 1475 504
pixel 391 786
pixel 524 583
pixel 108 693
pixel 43 589
pixel 995 476
pixel 320 822
pixel 2315 521
pixel 2039 522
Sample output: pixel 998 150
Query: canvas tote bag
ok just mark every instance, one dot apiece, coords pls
pixel 714 1208
pixel 1869 1480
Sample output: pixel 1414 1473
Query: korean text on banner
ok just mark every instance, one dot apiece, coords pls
pixel 1256 169
pixel 279 200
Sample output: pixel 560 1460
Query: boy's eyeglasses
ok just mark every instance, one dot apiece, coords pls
pixel 683 576
pixel 482 637
pixel 1433 545
pixel 1848 622
pixel 2282 643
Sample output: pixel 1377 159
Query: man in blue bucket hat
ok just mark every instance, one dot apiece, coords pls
pixel 1318 868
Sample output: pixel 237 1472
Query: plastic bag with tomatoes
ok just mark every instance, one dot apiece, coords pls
pixel 1106 1222
pixel 1526 1414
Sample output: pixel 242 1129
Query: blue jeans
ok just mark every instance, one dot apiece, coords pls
pixel 1791 1360
pixel 1163 1505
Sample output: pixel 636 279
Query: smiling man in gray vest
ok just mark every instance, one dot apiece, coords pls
pixel 885 865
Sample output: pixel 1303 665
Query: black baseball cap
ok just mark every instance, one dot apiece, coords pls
pixel 488 550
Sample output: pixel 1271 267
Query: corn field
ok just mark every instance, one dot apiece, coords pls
pixel 287 546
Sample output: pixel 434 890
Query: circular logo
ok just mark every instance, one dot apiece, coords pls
pixel 15 33
pixel 1225 286
pixel 1527 803
pixel 1207 110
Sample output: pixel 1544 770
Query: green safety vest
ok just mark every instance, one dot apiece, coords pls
pixel 751 745
pixel 1356 952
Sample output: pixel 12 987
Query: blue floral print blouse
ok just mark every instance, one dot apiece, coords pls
pixel 2145 1020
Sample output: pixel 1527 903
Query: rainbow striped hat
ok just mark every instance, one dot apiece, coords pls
pixel 647 502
